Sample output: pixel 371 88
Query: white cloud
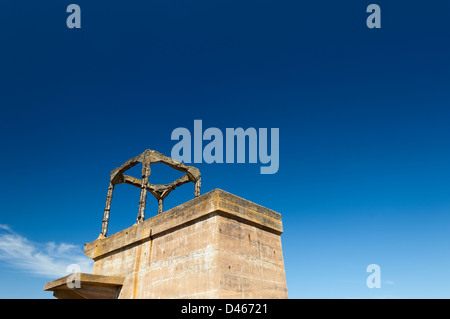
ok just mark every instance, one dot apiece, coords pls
pixel 47 259
pixel 5 227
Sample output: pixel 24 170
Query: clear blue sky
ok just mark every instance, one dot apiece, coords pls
pixel 363 114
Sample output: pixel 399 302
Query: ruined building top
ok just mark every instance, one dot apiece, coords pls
pixel 159 191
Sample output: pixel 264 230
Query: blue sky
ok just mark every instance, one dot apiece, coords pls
pixel 363 116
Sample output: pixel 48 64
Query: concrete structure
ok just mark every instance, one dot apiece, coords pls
pixel 216 245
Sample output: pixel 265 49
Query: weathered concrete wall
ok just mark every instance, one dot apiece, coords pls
pixel 215 246
pixel 250 262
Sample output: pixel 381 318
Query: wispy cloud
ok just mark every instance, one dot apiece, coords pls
pixel 5 227
pixel 43 259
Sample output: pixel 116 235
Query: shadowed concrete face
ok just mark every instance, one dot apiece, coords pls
pixel 217 245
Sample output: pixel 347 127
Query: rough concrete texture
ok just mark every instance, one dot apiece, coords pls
pixel 217 245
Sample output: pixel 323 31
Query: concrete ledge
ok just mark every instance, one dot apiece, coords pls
pixel 91 287
pixel 216 202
